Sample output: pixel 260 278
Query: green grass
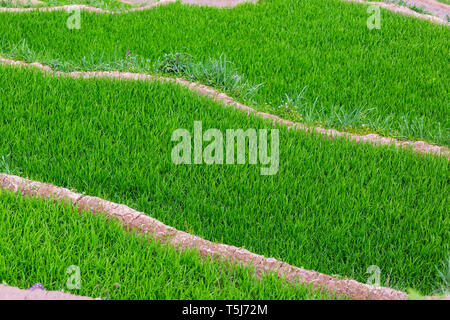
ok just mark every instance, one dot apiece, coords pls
pixel 334 206
pixel 220 73
pixel 41 240
pixel 393 81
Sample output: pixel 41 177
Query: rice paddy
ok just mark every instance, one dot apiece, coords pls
pixel 114 264
pixel 333 205
pixel 362 79
pixel 343 206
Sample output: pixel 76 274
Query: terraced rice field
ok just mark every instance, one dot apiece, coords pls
pixel 333 205
pixel 124 265
pixel 359 77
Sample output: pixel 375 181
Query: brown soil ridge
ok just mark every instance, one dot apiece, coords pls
pixel 403 10
pixel 142 223
pixel 420 147
pixel 13 293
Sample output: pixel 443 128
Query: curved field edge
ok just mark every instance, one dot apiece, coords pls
pixel 334 206
pixel 115 264
pixel 417 146
pixel 373 71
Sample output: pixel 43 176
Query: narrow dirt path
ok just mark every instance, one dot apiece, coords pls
pixel 13 293
pixel 375 139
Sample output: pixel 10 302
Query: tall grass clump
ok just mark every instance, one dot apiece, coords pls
pixel 219 73
pixel 5 165
pixel 361 119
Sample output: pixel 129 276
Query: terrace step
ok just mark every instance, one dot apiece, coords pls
pixel 143 223
pixel 13 293
pixel 203 90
